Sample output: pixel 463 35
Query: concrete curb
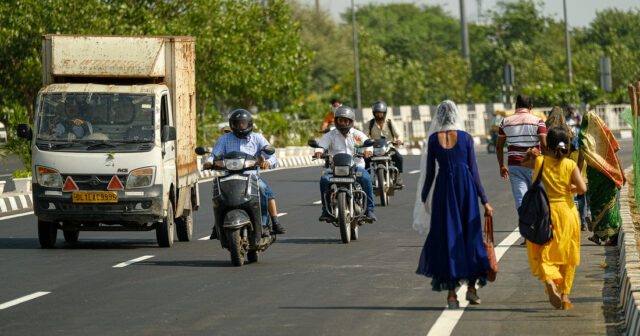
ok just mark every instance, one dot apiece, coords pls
pixel 629 268
pixel 16 203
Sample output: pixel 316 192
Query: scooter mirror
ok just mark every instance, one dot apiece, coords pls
pixel 268 149
pixel 313 143
pixel 368 143
pixel 201 150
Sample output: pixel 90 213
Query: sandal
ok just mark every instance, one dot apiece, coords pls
pixel 608 242
pixel 473 297
pixel 554 296
pixel 453 304
pixel 595 239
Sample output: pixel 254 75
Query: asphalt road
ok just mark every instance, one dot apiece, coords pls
pixel 308 282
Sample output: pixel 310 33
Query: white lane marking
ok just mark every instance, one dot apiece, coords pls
pixel 22 299
pixel 282 214
pixel 205 238
pixel 129 262
pixel 414 172
pixel 317 202
pixel 16 215
pixel 449 318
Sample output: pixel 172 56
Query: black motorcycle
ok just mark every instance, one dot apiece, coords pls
pixel 236 206
pixel 383 172
pixel 345 202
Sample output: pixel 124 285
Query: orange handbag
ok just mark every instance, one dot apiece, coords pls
pixel 488 244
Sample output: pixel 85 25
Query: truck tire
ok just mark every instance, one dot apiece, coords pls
pixel 235 247
pixel 384 197
pixel 70 236
pixel 184 227
pixel 344 219
pixel 47 233
pixel 164 229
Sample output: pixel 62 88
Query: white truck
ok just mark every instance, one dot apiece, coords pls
pixel 113 137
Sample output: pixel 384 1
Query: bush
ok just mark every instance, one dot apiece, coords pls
pixel 21 174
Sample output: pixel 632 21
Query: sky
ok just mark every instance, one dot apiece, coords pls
pixel 579 12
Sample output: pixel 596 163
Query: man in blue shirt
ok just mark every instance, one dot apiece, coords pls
pixel 243 139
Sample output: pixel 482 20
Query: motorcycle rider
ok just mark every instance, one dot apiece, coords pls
pixel 328 118
pixel 343 139
pixel 381 126
pixel 243 139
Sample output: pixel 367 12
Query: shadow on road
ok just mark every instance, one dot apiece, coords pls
pixel 188 263
pixel 309 241
pixel 33 243
pixel 439 308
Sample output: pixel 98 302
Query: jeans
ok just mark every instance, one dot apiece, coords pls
pixel 364 181
pixel 582 201
pixel 521 178
pixel 265 195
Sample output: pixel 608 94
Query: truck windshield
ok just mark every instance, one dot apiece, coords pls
pixel 87 118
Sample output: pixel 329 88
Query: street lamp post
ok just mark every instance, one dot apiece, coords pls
pixel 568 43
pixel 355 53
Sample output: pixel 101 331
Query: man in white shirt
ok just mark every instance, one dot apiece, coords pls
pixel 344 139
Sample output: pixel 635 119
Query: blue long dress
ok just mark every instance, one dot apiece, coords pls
pixel 454 249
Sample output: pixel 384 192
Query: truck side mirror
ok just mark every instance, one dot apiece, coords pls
pixel 168 133
pixel 24 131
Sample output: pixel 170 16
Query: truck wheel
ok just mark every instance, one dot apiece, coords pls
pixel 47 233
pixel 343 218
pixel 384 198
pixel 164 229
pixel 70 236
pixel 253 256
pixel 184 227
pixel 235 247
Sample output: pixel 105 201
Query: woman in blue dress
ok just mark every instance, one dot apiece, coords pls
pixel 454 251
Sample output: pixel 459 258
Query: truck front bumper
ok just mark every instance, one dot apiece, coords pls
pixel 134 207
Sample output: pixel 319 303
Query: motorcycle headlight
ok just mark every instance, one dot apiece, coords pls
pixel 48 177
pixel 234 164
pixel 341 171
pixel 379 151
pixel 140 178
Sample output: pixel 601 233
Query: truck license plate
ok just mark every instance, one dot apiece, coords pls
pixel 95 197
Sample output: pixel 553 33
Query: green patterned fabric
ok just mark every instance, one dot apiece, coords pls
pixel 605 213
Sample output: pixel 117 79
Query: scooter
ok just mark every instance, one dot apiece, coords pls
pixel 236 206
pixel 346 202
pixel 383 172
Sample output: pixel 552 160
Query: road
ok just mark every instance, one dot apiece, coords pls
pixel 306 283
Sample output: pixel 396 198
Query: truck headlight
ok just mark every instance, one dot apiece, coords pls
pixel 48 177
pixel 140 178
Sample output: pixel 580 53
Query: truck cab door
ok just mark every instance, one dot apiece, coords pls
pixel 168 147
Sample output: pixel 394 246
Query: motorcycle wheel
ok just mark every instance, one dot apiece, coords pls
pixel 253 256
pixel 384 197
pixel 164 229
pixel 47 233
pixel 491 148
pixel 343 218
pixel 235 247
pixel 354 232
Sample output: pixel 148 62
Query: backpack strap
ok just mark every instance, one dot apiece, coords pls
pixel 539 177
pixel 391 128
pixel 371 122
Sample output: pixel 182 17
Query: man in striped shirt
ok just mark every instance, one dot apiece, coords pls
pixel 523 132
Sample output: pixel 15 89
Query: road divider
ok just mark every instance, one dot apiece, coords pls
pixel 22 299
pixel 132 261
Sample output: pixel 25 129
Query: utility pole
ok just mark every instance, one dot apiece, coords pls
pixel 355 53
pixel 464 34
pixel 317 6
pixel 568 43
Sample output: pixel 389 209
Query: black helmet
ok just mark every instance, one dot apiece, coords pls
pixel 344 112
pixel 237 117
pixel 379 106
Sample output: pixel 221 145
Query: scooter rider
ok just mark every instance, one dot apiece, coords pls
pixel 343 139
pixel 243 139
pixel 381 126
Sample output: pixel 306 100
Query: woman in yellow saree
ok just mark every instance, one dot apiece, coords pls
pixel 598 147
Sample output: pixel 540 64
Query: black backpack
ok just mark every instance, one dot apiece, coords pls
pixel 534 221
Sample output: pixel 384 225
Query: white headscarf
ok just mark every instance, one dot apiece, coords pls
pixel 447 118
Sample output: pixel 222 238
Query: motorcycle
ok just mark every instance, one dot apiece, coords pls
pixel 236 206
pixel 383 172
pixel 346 202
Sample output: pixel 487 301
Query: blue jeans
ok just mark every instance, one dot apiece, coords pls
pixel 364 181
pixel 521 178
pixel 265 195
pixel 583 208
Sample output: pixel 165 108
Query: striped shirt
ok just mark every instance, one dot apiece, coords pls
pixel 521 130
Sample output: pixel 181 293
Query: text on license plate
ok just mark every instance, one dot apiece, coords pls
pixel 95 197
